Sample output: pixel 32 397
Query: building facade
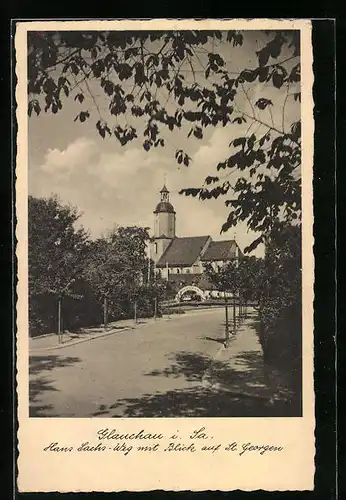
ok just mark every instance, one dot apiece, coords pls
pixel 182 259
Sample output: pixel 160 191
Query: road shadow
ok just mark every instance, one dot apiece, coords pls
pixel 232 391
pixel 36 388
pixel 194 402
pixel 185 364
pixel 39 382
pixel 40 363
pixel 102 410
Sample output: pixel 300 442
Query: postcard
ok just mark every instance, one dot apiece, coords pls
pixel 165 255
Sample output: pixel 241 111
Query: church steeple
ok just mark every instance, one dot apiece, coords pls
pixel 164 229
pixel 164 193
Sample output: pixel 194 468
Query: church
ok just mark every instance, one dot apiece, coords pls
pixel 182 259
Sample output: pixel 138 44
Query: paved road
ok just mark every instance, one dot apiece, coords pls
pixel 155 370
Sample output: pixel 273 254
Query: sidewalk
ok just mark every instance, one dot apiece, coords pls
pixel 50 341
pixel 239 369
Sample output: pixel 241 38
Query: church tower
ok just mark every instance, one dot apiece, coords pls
pixel 164 226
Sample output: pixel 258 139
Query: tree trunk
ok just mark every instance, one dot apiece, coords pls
pixel 135 315
pixel 105 313
pixel 149 271
pixel 59 321
pixel 155 307
pixel 239 310
pixel 234 315
pixel 226 318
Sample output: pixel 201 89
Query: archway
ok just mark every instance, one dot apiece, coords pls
pixel 190 290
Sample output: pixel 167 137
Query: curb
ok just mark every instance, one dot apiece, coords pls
pixel 75 342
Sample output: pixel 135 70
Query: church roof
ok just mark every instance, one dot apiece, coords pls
pixel 164 206
pixel 183 251
pixel 220 250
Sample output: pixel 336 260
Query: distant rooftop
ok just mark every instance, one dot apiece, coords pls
pixel 183 251
pixel 220 250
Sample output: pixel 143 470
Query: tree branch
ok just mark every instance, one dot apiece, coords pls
pixel 90 93
pixel 260 121
pixel 283 108
pixel 193 71
pixel 248 98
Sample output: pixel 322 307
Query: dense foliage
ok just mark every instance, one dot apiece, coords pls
pixel 274 283
pixel 281 299
pixel 65 265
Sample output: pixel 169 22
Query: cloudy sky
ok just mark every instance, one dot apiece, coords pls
pixel 114 185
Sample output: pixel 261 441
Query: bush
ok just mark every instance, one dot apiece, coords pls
pixel 83 311
pixel 86 310
pixel 173 310
pixel 42 314
pixel 123 306
pixel 75 312
pixel 281 343
pixel 281 337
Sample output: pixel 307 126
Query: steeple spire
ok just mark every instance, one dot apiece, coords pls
pixel 164 191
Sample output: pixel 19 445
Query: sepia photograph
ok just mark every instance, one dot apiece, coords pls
pixel 164 220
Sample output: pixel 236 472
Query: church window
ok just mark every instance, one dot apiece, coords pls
pixel 155 247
